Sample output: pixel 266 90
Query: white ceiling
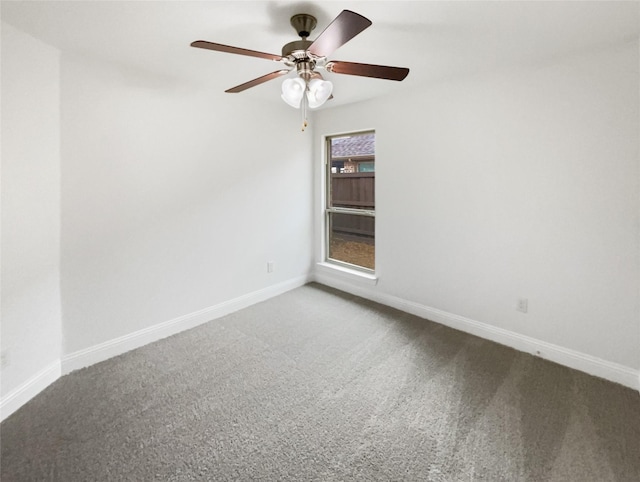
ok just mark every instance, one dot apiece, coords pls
pixel 436 40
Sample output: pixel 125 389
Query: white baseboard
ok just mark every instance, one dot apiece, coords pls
pixel 123 344
pixel 29 389
pixel 73 361
pixel 564 356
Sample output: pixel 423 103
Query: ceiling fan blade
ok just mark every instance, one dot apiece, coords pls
pixel 258 81
pixel 343 28
pixel 203 44
pixel 368 70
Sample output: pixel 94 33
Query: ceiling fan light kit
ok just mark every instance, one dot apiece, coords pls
pixel 292 91
pixel 316 92
pixel 307 58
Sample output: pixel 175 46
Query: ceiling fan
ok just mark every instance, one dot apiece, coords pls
pixel 308 57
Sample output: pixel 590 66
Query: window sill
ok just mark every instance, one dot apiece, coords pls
pixel 347 273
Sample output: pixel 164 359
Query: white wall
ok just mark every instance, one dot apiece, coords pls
pixel 522 183
pixel 518 184
pixel 173 199
pixel 31 325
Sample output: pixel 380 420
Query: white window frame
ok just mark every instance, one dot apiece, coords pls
pixel 328 210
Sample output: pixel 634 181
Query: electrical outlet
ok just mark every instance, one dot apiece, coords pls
pixel 270 266
pixel 523 305
pixel 4 359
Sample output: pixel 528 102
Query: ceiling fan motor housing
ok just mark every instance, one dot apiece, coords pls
pixel 296 49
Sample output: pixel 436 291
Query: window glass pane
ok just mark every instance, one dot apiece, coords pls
pixel 352 182
pixel 350 227
pixel 351 239
pixel 353 190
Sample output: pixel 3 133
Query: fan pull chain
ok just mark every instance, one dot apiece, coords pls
pixel 304 111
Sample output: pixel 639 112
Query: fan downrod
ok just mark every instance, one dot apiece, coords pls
pixel 297 50
pixel 304 24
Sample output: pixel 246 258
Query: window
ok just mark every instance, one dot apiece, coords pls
pixel 350 209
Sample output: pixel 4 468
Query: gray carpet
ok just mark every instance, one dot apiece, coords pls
pixel 319 385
